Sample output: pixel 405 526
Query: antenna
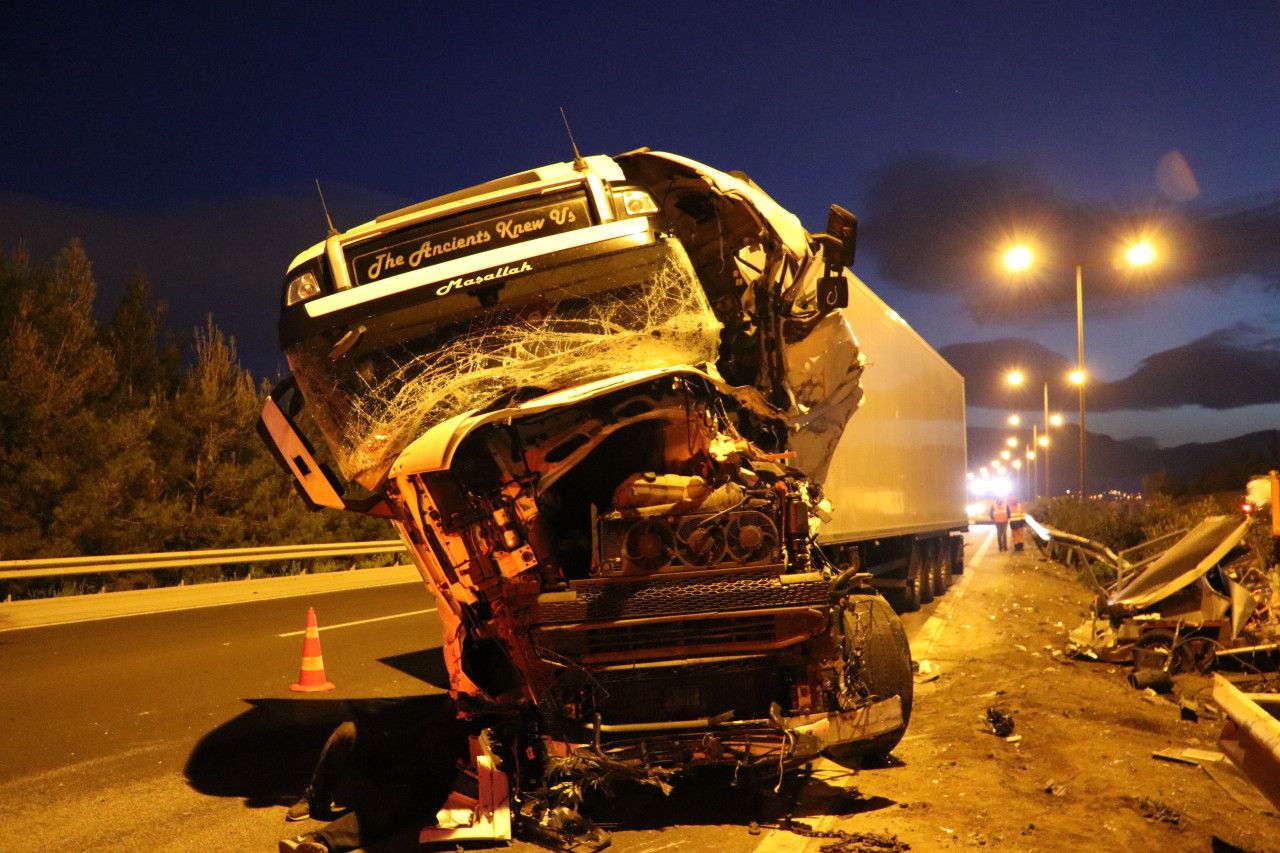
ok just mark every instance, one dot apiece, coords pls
pixel 327 217
pixel 578 162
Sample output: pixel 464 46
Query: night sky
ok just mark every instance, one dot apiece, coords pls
pixel 184 143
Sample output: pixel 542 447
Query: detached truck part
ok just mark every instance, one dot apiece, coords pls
pixel 605 404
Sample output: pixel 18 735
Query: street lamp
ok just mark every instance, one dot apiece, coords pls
pixel 1015 420
pixel 1019 258
pixel 1015 378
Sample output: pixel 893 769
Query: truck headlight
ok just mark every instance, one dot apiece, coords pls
pixel 634 203
pixel 301 288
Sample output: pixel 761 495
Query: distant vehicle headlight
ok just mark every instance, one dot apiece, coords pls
pixel 635 203
pixel 301 288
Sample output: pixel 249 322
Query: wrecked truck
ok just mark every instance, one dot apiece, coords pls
pixel 605 403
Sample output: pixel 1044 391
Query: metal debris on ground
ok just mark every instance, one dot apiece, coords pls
pixel 1186 607
pixel 1000 721
pixel 1155 810
pixel 846 842
pixel 1055 789
pixel 1151 679
pixel 926 671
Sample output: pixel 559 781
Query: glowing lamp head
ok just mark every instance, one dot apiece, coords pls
pixel 1056 420
pixel 1014 420
pixel 1076 377
pixel 1015 377
pixel 1017 464
pixel 1004 454
pixel 1044 441
pixel 1011 442
pixel 1140 254
pixel 1018 259
pixel 1031 455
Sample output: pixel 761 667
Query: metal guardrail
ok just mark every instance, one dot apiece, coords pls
pixel 62 566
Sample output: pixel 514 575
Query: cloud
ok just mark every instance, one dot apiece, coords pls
pixel 938 224
pixel 986 364
pixel 1225 369
pixel 227 258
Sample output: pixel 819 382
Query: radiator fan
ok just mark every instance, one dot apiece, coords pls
pixel 700 543
pixel 751 537
pixel 649 545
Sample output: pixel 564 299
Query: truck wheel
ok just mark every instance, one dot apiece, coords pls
pixel 923 571
pixel 957 555
pixel 940 563
pixel 886 671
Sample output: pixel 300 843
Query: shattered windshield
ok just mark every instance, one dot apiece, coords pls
pixel 373 401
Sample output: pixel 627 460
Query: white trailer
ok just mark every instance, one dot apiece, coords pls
pixel 896 480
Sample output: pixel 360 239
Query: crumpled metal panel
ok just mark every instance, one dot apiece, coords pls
pixel 1190 558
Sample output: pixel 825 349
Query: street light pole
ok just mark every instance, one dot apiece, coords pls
pixel 1080 363
pixel 1047 491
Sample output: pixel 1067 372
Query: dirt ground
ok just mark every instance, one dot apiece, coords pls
pixel 1081 776
pixel 1078 773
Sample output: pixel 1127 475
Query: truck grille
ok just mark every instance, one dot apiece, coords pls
pixel 747 632
pixel 690 692
pixel 624 598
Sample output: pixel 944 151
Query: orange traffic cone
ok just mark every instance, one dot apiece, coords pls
pixel 311 677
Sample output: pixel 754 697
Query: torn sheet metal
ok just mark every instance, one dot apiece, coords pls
pixel 1191 558
pixel 1251 736
pixel 784 224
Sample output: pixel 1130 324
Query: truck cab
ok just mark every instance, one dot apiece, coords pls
pixel 574 391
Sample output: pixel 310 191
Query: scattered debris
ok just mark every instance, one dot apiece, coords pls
pixel 1184 608
pixel 1156 680
pixel 1055 789
pixel 846 842
pixel 1014 739
pixel 1000 720
pixel 1175 757
pixel 1154 810
pixel 926 671
pixel 1189 755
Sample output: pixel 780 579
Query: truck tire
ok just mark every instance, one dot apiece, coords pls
pixel 957 554
pixel 886 671
pixel 940 564
pixel 906 598
pixel 923 570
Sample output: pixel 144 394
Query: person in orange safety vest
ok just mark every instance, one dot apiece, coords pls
pixel 1017 523
pixel 999 513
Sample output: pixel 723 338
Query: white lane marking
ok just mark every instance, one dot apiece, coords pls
pixel 931 630
pixel 982 549
pixel 360 622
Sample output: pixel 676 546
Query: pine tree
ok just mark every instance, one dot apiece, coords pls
pixel 53 373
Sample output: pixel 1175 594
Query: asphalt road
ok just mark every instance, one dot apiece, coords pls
pixel 178 731
pixel 153 731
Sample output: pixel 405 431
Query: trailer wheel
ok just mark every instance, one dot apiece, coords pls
pixel 957 554
pixel 906 598
pixel 886 670
pixel 940 563
pixel 923 570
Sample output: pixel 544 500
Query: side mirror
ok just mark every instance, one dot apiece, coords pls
pixel 841 238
